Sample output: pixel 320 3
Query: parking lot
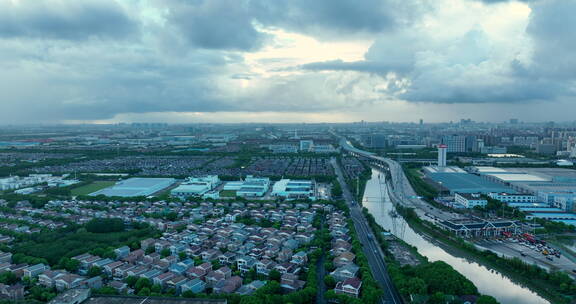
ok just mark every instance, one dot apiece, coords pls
pixel 542 255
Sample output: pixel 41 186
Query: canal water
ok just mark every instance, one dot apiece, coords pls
pixel 488 281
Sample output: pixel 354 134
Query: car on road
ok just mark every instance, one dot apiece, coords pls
pixel 522 254
pixel 549 258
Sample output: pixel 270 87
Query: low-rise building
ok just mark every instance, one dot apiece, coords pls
pixel 470 200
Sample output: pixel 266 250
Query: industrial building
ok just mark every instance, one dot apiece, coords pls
pixel 295 189
pixel 195 186
pixel 553 186
pixel 136 187
pixel 17 182
pixel 513 197
pixel 250 187
pixel 454 179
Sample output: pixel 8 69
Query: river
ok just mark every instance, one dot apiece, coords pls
pixel 488 281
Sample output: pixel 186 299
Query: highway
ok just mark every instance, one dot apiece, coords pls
pixel 400 190
pixel 370 246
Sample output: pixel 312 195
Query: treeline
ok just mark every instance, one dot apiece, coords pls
pixel 105 225
pixel 52 246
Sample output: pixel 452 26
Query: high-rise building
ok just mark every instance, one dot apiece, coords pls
pixel 455 143
pixel 442 155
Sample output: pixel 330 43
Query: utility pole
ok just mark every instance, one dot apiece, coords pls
pixel 358 189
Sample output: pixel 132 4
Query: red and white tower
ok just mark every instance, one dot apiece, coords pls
pixel 442 149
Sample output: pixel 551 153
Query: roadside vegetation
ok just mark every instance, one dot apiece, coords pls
pixel 555 286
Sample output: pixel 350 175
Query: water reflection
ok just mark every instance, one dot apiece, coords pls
pixel 488 281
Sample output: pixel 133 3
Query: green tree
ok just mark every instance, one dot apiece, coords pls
pixel 484 299
pixel 8 278
pixel 131 281
pixel 330 281
pixel 144 292
pixel 165 252
pixel 275 275
pixel 69 264
pixel 143 283
pixel 437 298
pixel 94 271
pixel 156 288
pixel 416 286
pixel 150 249
pixel 105 225
pixel 251 300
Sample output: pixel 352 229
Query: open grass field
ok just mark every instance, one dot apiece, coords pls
pixel 92 187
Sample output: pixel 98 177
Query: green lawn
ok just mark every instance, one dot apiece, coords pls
pixel 92 187
pixel 227 193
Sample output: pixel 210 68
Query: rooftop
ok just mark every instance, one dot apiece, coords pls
pixel 465 182
pixel 136 187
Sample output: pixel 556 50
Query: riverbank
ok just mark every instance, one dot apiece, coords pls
pixel 555 287
pixel 424 281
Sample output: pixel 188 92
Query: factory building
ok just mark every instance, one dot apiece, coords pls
pixel 249 187
pixel 454 179
pixel 513 197
pixel 295 189
pixel 137 186
pixel 196 186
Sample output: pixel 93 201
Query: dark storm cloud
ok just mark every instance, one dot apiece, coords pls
pixel 188 56
pixel 552 26
pixel 231 24
pixel 466 72
pixel 69 20
pixel 215 24
pixel 328 17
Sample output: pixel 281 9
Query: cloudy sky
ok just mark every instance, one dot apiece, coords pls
pixel 67 61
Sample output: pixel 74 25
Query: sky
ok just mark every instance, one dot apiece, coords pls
pixel 188 61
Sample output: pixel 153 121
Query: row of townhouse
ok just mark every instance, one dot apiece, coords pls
pixel 346 272
pixel 25 215
pixel 59 279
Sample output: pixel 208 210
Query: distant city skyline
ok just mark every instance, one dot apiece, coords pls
pixel 93 61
